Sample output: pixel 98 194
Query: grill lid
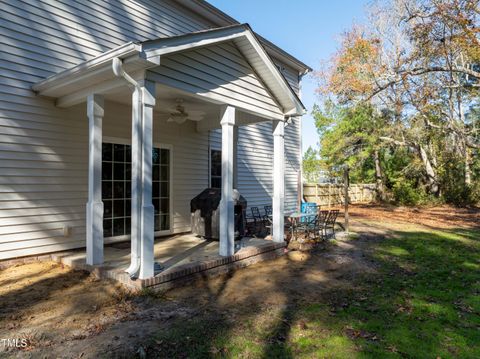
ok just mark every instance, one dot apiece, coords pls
pixel 209 200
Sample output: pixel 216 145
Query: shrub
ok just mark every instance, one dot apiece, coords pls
pixel 406 194
pixel 460 194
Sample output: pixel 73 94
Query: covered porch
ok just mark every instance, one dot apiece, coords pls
pixel 178 258
pixel 224 79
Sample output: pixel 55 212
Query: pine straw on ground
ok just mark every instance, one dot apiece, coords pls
pixel 431 217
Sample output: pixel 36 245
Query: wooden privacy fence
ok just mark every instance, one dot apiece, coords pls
pixel 326 194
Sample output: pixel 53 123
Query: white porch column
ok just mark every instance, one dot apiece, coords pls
pixel 95 112
pixel 227 240
pixel 147 209
pixel 278 205
pixel 135 240
pixel 142 214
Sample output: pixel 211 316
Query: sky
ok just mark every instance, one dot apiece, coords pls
pixel 307 29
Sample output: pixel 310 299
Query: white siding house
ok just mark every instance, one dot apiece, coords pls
pixel 54 54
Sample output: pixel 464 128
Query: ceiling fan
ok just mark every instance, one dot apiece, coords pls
pixel 179 114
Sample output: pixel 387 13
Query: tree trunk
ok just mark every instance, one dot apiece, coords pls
pixel 379 176
pixel 468 167
pixel 431 174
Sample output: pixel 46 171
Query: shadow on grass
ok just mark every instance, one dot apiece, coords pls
pixel 421 302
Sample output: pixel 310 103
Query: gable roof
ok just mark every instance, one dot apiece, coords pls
pixel 148 54
pixel 218 17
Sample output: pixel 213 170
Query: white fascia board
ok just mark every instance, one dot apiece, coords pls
pixel 296 107
pixel 175 44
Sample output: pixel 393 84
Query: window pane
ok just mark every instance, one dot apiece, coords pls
pixel 165 156
pixel 119 171
pixel 119 153
pixel 155 189
pixel 156 156
pixel 164 222
pixel 128 189
pixel 128 225
pixel 106 171
pixel 107 209
pixel 118 227
pixel 128 153
pixel 156 173
pixel 118 208
pixel 107 154
pixel 216 169
pixel 216 163
pixel 156 204
pixel 216 182
pixel 128 208
pixel 164 170
pixel 128 171
pixel 106 189
pixel 164 205
pixel 107 228
pixel 164 189
pixel 118 189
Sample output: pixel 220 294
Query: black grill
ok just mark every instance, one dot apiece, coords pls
pixel 205 214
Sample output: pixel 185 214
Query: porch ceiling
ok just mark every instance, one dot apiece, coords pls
pixel 167 98
pixel 72 86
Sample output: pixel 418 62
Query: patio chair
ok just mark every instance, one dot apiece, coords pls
pixel 322 216
pixel 311 226
pixel 268 210
pixel 322 219
pixel 256 220
pixel 330 223
pixel 267 218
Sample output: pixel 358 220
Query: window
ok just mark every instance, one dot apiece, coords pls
pixel 116 188
pixel 216 169
pixel 161 188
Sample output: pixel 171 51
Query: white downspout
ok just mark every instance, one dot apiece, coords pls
pixel 118 70
pixel 117 67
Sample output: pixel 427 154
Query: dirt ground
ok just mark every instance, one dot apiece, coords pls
pixel 69 314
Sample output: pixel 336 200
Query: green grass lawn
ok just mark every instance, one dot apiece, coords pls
pixel 422 302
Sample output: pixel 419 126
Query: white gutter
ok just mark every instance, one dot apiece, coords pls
pixel 93 66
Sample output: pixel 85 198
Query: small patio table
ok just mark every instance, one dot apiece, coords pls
pixel 295 218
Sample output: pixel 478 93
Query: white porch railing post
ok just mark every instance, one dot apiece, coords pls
pixel 227 228
pixel 278 205
pixel 95 112
pixel 147 209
